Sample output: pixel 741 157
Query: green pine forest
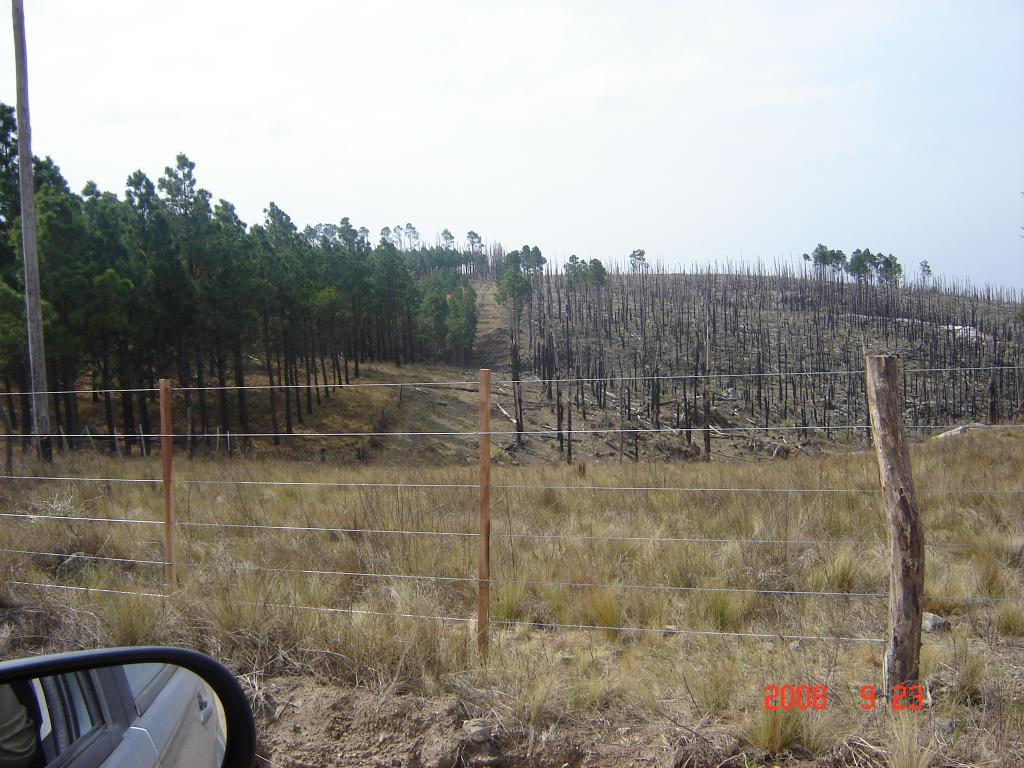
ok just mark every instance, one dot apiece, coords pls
pixel 163 281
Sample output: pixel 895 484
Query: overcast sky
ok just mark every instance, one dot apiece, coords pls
pixel 697 131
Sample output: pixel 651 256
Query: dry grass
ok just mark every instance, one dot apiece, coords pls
pixel 775 731
pixel 230 608
pixel 907 744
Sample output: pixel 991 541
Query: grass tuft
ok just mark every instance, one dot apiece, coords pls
pixel 775 731
pixel 905 742
pixel 723 611
pixel 1009 619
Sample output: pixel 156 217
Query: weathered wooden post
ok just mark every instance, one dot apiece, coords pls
pixel 906 533
pixel 484 578
pixel 167 461
pixel 8 441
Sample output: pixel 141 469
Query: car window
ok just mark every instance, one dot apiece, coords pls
pixel 84 709
pixel 141 675
pixel 145 681
pixel 72 719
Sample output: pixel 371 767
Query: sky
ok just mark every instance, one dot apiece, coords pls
pixel 700 132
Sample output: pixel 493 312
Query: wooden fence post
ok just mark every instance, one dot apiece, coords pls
pixel 906 533
pixel 8 442
pixel 484 579
pixel 167 460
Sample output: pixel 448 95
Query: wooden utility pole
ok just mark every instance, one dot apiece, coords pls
pixel 484 579
pixel 167 462
pixel 906 533
pixel 33 304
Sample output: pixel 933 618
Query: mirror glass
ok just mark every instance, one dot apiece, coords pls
pixel 131 715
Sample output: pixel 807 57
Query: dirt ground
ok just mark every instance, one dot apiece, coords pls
pixel 305 724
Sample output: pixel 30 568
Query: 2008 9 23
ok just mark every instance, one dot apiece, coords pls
pixel 904 697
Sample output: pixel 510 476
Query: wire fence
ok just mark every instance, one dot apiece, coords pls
pixel 499 486
pixel 551 432
pixel 323 385
pixel 1008 544
pixel 240 567
pixel 667 631
pixel 560 537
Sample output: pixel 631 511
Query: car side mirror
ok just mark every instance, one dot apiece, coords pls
pixel 139 706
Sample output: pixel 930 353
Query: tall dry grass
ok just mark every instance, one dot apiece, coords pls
pixel 237 601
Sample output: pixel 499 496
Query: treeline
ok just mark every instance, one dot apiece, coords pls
pixel 633 347
pixel 164 282
pixel 862 265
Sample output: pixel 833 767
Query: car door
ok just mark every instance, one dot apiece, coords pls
pixel 180 713
pixel 134 716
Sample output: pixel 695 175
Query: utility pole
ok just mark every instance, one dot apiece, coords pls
pixel 33 303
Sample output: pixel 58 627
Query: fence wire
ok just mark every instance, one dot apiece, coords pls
pixel 749 375
pixel 242 567
pixel 205 437
pixel 668 631
pixel 505 487
pixel 322 609
pixel 686 540
pixel 506 382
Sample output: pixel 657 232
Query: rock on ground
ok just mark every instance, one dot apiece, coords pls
pixel 931 622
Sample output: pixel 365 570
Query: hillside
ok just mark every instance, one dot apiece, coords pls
pixel 770 351
pixel 640 599
pixel 629 394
